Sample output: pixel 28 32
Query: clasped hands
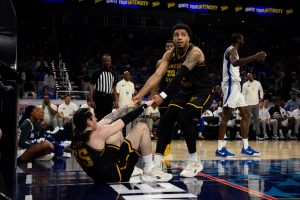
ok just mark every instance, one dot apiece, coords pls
pixel 155 101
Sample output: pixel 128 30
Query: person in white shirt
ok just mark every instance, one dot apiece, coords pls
pixel 265 119
pixel 253 92
pixel 296 115
pixel 125 90
pixel 152 116
pixel 66 112
pixel 50 111
pixel 289 122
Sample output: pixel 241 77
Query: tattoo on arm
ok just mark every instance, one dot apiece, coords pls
pixel 192 59
pixel 113 116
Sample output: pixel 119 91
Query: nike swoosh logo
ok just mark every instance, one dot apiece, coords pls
pixel 221 153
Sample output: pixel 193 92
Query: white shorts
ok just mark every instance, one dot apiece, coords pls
pixel 233 97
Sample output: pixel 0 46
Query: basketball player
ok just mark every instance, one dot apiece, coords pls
pixel 162 85
pixel 102 152
pixel 193 94
pixel 233 98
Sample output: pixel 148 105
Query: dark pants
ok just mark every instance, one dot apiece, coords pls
pixel 104 104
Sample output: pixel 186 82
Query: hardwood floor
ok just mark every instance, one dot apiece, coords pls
pixel 206 149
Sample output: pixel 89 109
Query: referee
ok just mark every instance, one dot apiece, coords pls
pixel 102 88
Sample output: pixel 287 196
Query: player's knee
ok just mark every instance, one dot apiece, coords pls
pixel 46 146
pixel 225 119
pixel 142 127
pixel 245 116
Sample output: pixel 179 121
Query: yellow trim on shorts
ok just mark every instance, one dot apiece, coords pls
pixel 208 97
pixel 194 105
pixel 204 101
pixel 175 105
pixel 113 146
pixel 120 175
pixel 130 147
pixel 126 162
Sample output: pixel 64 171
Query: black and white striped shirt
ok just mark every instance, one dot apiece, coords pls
pixel 104 81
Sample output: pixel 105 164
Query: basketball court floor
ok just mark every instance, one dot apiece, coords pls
pixel 274 175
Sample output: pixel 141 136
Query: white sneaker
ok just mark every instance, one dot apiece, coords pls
pixel 192 169
pixel 137 171
pixel 156 174
pixel 47 157
pixel 56 129
pixel 238 136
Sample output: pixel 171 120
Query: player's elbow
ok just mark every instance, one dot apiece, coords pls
pixel 235 63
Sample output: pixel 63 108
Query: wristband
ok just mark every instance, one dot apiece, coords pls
pixel 163 95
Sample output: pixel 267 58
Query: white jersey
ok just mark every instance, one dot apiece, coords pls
pixel 230 73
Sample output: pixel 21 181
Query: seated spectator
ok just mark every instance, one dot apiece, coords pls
pixel 50 113
pixel 28 148
pixel 284 120
pixel 265 120
pixel 292 104
pixel 273 122
pixel 66 112
pixel 296 115
pixel 152 117
pixel 202 122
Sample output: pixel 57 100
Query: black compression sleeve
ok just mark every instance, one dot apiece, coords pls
pixel 133 114
pixel 175 83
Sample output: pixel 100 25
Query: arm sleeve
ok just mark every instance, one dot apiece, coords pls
pixel 24 135
pixel 175 83
pixel 133 114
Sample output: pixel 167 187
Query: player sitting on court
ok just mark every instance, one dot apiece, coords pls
pixel 102 152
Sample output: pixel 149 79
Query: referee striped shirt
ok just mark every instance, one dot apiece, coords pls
pixel 104 81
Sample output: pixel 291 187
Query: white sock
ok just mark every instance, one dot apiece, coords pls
pixel 221 144
pixel 157 159
pixel 246 144
pixel 290 131
pixel 280 131
pixel 193 156
pixel 147 162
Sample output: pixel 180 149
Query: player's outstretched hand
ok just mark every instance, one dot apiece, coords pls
pixel 157 100
pixel 133 103
pixel 261 56
pixel 137 98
